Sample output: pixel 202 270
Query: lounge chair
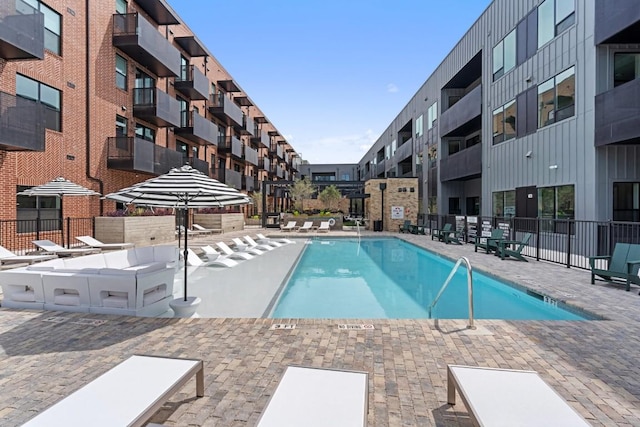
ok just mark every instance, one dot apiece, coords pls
pixel 268 242
pixel 129 394
pixel 622 264
pixel 405 227
pixel 324 227
pixel 505 247
pixel 226 250
pixel 245 247
pixel 308 225
pixel 203 230
pixel 291 226
pixel 49 246
pixel 262 246
pixel 8 257
pixel 489 243
pixel 194 260
pixel 318 397
pixel 94 243
pixel 505 397
pixel 441 233
pixel 263 239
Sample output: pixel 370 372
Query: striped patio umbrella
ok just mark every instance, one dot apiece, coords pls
pixel 181 188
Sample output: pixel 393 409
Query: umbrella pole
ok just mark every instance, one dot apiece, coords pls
pixel 185 253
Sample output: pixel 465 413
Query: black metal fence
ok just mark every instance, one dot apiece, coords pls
pixel 17 234
pixel 562 241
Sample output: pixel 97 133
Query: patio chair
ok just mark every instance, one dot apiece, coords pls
pixel 95 243
pixel 505 247
pixel 269 242
pixel 489 244
pixel 308 225
pixel 509 397
pixel 128 394
pixel 291 226
pixel 245 247
pixel 405 227
pixel 262 246
pixel 49 246
pixel 203 230
pixel 8 257
pixel 441 233
pixel 194 260
pixel 324 227
pixel 262 237
pixel 314 397
pixel 226 250
pixel 623 264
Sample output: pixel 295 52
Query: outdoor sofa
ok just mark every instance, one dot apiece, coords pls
pixel 137 282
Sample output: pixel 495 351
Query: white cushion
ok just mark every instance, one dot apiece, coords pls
pixel 77 270
pixel 114 301
pixel 37 267
pixel 120 259
pixel 89 261
pixel 47 265
pixel 153 296
pixel 147 268
pixel 24 296
pixel 145 255
pixel 117 272
pixel 67 299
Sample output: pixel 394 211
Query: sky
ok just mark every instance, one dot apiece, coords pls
pixel 331 75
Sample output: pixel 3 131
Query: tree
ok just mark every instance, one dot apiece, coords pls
pixel 256 198
pixel 330 196
pixel 300 190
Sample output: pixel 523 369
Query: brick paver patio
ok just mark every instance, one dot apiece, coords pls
pixel 593 364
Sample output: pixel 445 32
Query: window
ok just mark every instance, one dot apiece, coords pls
pixel 556 203
pixel 121 126
pixel 145 133
pixel 504 204
pixel 454 206
pixel 432 115
pixel 554 16
pixel 626 67
pixel 626 201
pixel 184 69
pixel 121 72
pixel 47 209
pixel 387 152
pixel 184 112
pixel 454 147
pixel 121 6
pixel 556 98
pixel 394 147
pixel 50 97
pixel 504 122
pixel 345 177
pixel 504 55
pixel 419 126
pixel 52 25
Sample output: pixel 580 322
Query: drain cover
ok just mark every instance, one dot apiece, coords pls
pixel 55 319
pixel 89 322
pixel 355 326
pixel 283 326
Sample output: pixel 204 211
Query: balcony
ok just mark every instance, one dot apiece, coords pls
pixel 380 168
pixel 261 137
pixel 230 144
pixel 136 37
pixel 617 115
pixel 21 124
pixel 250 183
pixel 617 22
pixel 225 109
pixel 276 150
pixel 463 165
pixel 404 151
pixel 192 83
pixel 248 126
pixel 264 164
pixel 198 129
pixel 232 179
pixel 464 116
pixel 155 106
pixel 134 154
pixel 251 155
pixel 200 165
pixel 21 31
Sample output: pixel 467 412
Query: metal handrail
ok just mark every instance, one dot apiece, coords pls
pixel 469 285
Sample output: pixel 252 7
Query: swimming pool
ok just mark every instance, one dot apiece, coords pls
pixel 390 278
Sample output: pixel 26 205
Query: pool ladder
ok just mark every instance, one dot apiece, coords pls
pixel 469 286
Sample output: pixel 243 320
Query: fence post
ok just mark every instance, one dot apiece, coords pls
pixel 538 239
pixel 568 244
pixel 68 232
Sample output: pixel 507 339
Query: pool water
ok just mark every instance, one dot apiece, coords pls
pixel 392 279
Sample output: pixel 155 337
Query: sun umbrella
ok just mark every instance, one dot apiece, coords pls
pixel 181 188
pixel 59 187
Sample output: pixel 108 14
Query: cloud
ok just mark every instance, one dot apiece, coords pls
pixel 336 149
pixel 392 88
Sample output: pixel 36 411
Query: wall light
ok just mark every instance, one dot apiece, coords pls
pixel 553 167
pixel 528 155
pixel 529 79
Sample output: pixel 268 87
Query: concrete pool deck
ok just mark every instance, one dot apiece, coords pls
pixel 592 364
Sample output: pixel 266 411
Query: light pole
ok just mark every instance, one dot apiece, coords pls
pixel 383 186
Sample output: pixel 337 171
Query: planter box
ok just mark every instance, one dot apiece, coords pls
pixel 225 222
pixel 139 230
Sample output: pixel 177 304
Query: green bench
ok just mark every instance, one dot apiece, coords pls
pixel 622 264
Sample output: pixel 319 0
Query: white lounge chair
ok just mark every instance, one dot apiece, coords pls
pixel 233 254
pixel 244 247
pixel 49 246
pixel 313 397
pixel 308 225
pixel 203 230
pixel 194 260
pixel 264 239
pixel 262 246
pixel 126 395
pixel 95 243
pixel 8 257
pixel 324 227
pixel 291 226
pixel 210 253
pixel 505 397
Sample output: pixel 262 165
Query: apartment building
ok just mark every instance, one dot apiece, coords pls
pixel 534 113
pixel 109 93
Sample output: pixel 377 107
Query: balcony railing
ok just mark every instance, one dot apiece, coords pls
pixel 198 129
pixel 617 22
pixel 138 155
pixel 404 151
pixel 21 31
pixel 250 183
pixel 465 164
pixel 248 126
pixel 21 124
pixel 264 163
pixel 380 168
pixel 276 150
pixel 200 165
pixel 192 83
pixel 233 178
pixel 136 37
pixel 230 144
pixel 225 109
pixel 464 116
pixel 155 106
pixel 251 155
pixel 618 114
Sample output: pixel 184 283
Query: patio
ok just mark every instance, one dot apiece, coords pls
pixel 592 364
